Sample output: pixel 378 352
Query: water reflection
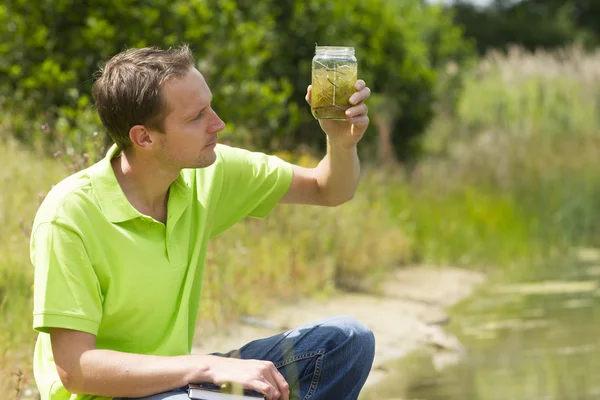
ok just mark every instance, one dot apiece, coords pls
pixel 534 340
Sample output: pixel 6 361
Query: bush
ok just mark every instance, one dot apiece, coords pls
pixel 403 49
pixel 256 58
pixel 55 46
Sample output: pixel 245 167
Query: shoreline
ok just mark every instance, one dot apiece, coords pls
pixel 407 315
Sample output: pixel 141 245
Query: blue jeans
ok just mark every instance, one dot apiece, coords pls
pixel 329 359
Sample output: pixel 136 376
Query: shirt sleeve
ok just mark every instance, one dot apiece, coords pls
pixel 67 292
pixel 252 184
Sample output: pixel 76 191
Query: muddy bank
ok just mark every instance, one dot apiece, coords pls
pixel 408 314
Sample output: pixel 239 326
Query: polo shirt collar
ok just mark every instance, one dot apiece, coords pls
pixel 113 201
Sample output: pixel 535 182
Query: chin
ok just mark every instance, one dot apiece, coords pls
pixel 206 160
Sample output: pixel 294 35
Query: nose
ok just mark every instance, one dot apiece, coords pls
pixel 217 123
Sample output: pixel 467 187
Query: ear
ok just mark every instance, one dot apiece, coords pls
pixel 140 137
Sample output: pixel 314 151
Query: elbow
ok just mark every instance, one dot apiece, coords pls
pixel 338 201
pixel 70 348
pixel 72 381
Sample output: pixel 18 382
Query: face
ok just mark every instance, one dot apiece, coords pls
pixel 191 127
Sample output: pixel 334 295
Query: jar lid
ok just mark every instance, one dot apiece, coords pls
pixel 334 50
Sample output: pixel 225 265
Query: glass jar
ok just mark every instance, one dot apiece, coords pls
pixel 334 74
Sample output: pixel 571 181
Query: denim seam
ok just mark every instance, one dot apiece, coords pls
pixel 299 357
pixel 316 377
pixel 317 372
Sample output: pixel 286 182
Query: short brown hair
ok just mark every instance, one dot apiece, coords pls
pixel 128 89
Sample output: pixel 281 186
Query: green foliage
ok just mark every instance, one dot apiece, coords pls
pixel 53 48
pixel 301 251
pixel 403 48
pixel 533 24
pixel 554 94
pixel 526 134
pixel 25 178
pixel 256 58
pixel 466 226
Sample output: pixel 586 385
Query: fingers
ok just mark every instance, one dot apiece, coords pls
pixel 308 94
pixel 361 95
pixel 357 111
pixel 361 122
pixel 273 387
pixel 270 382
pixel 262 387
pixel 258 375
pixel 276 380
pixel 282 385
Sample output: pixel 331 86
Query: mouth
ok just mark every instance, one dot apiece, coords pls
pixel 212 144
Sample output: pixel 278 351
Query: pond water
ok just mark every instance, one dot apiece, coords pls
pixel 538 339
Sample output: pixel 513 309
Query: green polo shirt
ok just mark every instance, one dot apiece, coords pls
pixel 104 268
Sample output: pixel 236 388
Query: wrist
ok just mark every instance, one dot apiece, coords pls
pixel 199 368
pixel 341 145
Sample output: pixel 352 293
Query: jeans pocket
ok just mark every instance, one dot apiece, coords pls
pixel 315 379
pixel 290 368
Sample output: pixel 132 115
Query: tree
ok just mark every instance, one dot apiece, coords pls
pixel 532 24
pixel 255 56
pixel 53 48
pixel 402 47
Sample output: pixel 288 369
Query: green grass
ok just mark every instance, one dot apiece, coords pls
pixel 302 250
pixel 468 227
pixel 24 178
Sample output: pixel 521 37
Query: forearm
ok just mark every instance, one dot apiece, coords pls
pixel 116 374
pixel 337 174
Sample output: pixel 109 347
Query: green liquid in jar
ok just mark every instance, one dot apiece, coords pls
pixel 332 86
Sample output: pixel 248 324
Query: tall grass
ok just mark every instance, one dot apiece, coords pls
pixel 300 251
pixel 542 94
pixel 521 157
pixel 24 178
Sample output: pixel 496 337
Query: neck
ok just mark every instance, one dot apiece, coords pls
pixel 145 184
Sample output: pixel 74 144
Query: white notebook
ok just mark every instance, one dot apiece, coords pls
pixel 207 391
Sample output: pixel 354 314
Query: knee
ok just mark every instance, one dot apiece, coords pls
pixel 356 335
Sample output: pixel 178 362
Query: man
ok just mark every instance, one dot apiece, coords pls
pixel 119 248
